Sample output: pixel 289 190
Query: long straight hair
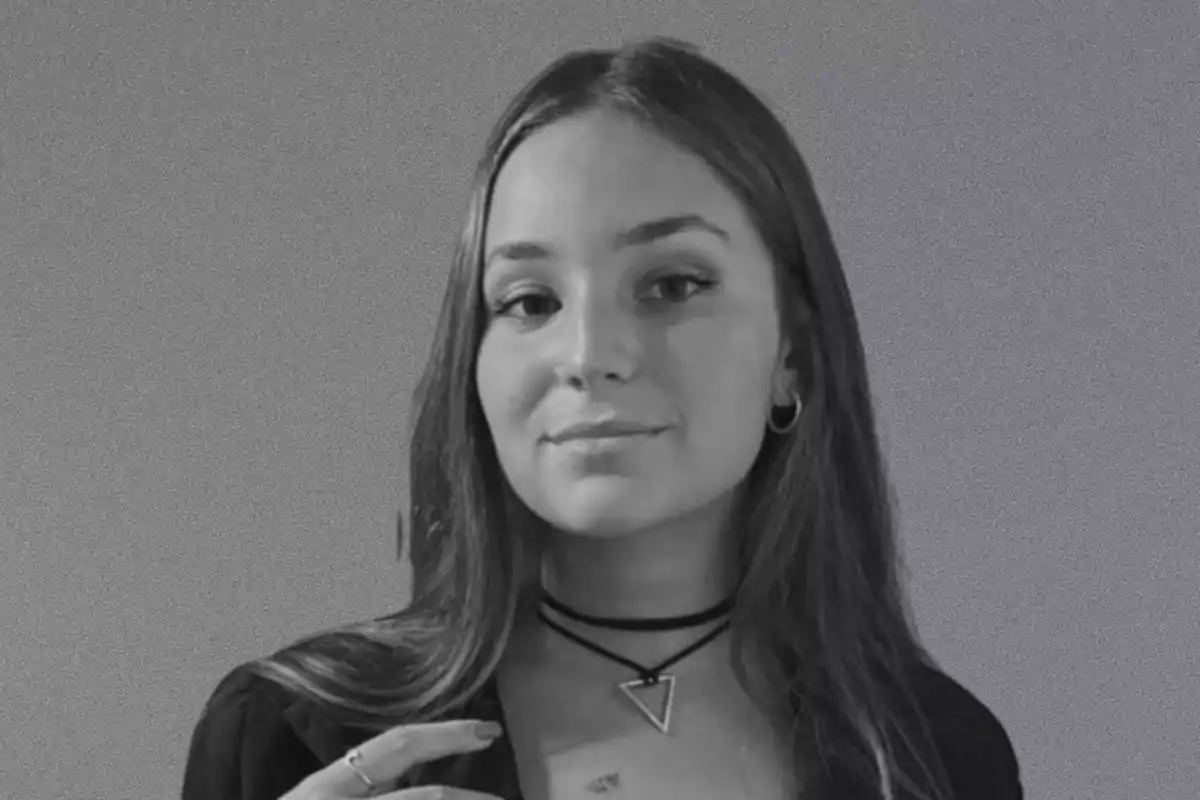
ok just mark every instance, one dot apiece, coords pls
pixel 820 605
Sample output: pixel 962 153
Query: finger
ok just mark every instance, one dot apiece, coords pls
pixel 438 793
pixel 393 752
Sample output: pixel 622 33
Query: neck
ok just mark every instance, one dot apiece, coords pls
pixel 597 578
pixel 661 574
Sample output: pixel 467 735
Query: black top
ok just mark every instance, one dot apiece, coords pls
pixel 258 741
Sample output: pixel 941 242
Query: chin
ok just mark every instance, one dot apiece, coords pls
pixel 602 511
pixel 600 523
pixel 598 527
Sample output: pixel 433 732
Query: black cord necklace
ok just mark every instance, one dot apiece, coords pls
pixel 647 676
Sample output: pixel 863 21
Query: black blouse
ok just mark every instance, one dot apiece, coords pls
pixel 258 741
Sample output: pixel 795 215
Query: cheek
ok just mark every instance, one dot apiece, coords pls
pixel 723 388
pixel 724 376
pixel 508 395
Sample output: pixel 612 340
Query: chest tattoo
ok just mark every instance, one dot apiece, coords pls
pixel 605 783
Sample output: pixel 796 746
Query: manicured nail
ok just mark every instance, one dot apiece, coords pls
pixel 487 731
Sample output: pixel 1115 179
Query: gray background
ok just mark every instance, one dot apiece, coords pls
pixel 224 233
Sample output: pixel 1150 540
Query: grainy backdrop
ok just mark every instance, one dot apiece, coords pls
pixel 224 233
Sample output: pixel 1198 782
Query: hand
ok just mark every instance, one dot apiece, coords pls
pixel 392 753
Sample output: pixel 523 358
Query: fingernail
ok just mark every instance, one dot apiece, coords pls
pixel 487 731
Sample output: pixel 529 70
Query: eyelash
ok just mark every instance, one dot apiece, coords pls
pixel 502 307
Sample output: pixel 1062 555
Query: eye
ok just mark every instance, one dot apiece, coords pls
pixel 503 307
pixel 680 280
pixel 539 303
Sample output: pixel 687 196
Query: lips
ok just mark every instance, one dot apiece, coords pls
pixel 603 430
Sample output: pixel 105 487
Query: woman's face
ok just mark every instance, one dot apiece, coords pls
pixel 625 282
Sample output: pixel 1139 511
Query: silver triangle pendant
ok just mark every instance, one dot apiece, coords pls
pixel 661 720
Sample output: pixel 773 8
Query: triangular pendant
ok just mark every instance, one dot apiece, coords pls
pixel 661 720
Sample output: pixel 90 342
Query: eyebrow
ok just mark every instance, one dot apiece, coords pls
pixel 642 233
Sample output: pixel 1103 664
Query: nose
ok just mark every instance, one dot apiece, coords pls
pixel 599 342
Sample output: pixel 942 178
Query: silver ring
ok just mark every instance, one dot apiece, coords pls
pixel 353 755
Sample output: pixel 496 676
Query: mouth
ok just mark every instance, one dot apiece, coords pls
pixel 603 432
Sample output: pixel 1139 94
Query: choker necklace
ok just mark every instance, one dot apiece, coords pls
pixel 648 677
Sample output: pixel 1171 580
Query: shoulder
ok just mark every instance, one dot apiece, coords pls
pixel 244 745
pixel 972 743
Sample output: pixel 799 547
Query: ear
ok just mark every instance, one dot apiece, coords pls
pixel 785 380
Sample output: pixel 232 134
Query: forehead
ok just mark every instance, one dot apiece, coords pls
pixel 581 179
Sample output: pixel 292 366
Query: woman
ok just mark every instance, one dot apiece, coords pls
pixel 652 543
